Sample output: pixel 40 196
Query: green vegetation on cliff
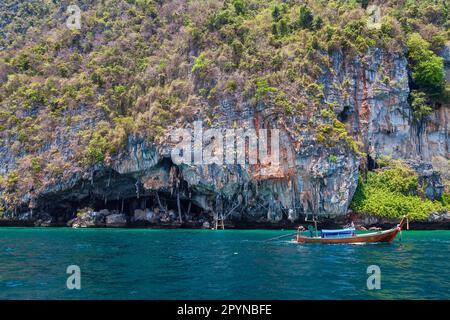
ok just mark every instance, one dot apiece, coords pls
pixel 428 75
pixel 393 191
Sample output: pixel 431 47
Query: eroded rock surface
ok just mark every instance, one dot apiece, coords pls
pixel 142 185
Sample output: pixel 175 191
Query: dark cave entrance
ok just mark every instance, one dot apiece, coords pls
pixel 371 163
pixel 125 193
pixel 66 210
pixel 344 114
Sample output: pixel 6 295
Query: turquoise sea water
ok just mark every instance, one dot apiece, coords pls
pixel 206 264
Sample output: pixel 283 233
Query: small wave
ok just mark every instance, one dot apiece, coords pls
pixel 14 284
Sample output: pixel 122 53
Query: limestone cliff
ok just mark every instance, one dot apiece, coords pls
pixel 367 92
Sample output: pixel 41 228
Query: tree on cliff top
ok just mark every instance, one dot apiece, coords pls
pixel 427 68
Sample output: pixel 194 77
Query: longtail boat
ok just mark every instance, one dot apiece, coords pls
pixel 349 236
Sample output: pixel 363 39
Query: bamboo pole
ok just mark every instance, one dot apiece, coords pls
pixel 179 206
pixel 159 202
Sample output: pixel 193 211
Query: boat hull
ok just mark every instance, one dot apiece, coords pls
pixel 373 237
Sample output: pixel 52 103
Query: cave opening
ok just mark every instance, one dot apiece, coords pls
pixel 371 163
pixel 167 203
pixel 122 194
pixel 344 114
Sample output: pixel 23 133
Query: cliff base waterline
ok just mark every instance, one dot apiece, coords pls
pixel 105 219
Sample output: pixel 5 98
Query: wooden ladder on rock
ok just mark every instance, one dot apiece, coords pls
pixel 219 221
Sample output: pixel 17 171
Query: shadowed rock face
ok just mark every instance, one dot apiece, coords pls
pixel 312 179
pixel 376 107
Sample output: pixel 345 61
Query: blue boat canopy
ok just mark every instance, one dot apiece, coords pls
pixel 339 233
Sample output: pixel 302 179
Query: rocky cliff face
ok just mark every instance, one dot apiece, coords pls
pixel 312 179
pixel 67 98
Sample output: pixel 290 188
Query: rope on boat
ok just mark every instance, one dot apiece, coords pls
pixel 279 237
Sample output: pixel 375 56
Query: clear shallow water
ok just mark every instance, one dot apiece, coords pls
pixel 205 264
